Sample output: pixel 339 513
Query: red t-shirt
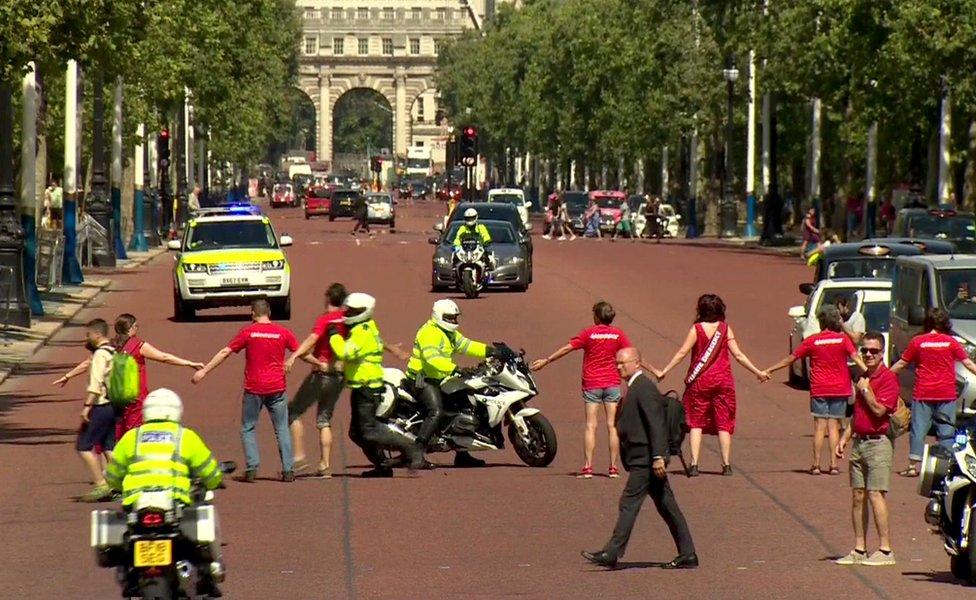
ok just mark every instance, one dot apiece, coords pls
pixel 935 356
pixel 600 344
pixel 322 350
pixel 885 386
pixel 828 352
pixel 264 356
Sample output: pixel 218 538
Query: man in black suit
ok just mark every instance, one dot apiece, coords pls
pixel 642 429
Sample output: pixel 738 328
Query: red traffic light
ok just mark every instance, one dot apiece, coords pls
pixel 470 132
pixel 164 133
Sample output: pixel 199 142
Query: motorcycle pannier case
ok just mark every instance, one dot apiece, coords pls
pixel 199 523
pixel 107 528
pixel 933 469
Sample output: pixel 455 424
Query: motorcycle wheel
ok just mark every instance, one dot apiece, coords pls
pixel 540 449
pixel 468 286
pixel 156 588
pixel 970 557
pixel 959 565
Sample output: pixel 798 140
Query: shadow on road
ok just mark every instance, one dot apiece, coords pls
pixel 934 577
pixel 32 436
pixel 222 318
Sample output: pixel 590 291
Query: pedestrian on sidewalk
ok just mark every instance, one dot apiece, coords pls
pixel 830 381
pixel 264 344
pixel 362 216
pixel 98 416
pixel 811 233
pixel 193 201
pixel 872 453
pixel 709 396
pixel 322 386
pixel 54 203
pixel 601 381
pixel 935 354
pixel 643 427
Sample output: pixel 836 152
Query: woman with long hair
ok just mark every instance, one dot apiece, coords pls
pixel 709 396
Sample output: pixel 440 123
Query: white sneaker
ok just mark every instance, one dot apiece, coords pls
pixel 879 559
pixel 546 237
pixel 852 558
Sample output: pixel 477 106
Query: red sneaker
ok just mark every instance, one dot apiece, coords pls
pixel 585 473
pixel 613 473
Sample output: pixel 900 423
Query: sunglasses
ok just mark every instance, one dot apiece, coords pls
pixel 871 351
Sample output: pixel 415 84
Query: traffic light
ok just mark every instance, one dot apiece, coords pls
pixel 376 164
pixel 162 147
pixel 468 146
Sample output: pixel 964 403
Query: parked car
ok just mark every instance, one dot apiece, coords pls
pixel 513 196
pixel 949 225
pixel 871 298
pixel 609 203
pixel 513 261
pixel 343 203
pixel 318 201
pixel 924 282
pixel 284 195
pixel 380 208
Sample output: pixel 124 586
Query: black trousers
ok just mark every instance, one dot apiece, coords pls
pixel 642 482
pixel 369 434
pixel 429 395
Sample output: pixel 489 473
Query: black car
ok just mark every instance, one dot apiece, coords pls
pixel 418 188
pixel 576 202
pixel 948 225
pixel 343 203
pixel 494 211
pixel 513 262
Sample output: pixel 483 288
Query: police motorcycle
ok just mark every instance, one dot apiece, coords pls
pixel 948 479
pixel 159 546
pixel 478 404
pixel 472 262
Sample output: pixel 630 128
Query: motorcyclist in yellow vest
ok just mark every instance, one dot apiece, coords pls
pixel 161 454
pixel 472 227
pixel 361 354
pixel 437 341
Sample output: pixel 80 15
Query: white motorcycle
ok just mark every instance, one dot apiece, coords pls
pixel 948 478
pixel 471 265
pixel 476 407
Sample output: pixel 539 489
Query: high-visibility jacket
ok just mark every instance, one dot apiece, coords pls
pixel 434 348
pixel 161 456
pixel 479 231
pixel 361 355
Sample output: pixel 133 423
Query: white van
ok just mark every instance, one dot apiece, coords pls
pixel 515 197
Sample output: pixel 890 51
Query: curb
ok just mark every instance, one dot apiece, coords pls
pixel 749 245
pixel 100 286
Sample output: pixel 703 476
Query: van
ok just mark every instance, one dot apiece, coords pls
pixel 935 281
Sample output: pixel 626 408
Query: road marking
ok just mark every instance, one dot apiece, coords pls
pixel 347 522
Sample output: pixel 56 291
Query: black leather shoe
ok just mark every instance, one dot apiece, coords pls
pixel 601 558
pixel 693 471
pixel 684 561
pixel 378 472
pixel 464 459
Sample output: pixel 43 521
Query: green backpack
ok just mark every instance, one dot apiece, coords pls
pixel 123 380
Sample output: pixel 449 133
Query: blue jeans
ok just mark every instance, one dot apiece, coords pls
pixel 922 421
pixel 277 405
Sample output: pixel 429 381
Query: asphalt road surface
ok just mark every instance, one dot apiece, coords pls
pixel 504 531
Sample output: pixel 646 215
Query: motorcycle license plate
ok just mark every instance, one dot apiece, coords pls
pixel 153 553
pixel 233 281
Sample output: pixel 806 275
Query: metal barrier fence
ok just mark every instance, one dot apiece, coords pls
pixel 91 236
pixel 50 258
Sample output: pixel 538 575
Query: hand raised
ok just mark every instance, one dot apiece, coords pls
pixel 538 364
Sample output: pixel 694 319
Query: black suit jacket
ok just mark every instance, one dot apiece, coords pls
pixel 642 424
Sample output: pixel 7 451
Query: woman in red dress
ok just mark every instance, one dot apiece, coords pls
pixel 709 397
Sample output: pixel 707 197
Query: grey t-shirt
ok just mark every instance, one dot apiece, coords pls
pixel 856 323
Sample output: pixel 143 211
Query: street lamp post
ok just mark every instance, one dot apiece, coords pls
pixel 16 309
pixel 729 211
pixel 103 255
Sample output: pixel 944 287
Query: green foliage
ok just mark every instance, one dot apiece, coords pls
pixel 363 120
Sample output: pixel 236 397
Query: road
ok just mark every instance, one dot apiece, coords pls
pixel 502 531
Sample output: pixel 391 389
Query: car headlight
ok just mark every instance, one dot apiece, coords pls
pixel 273 265
pixel 971 466
pixel 194 268
pixel 442 260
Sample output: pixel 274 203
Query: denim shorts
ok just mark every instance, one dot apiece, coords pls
pixel 829 407
pixel 602 395
pixel 98 431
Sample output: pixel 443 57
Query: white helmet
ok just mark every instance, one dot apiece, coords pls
pixel 358 308
pixel 471 216
pixel 162 405
pixel 446 314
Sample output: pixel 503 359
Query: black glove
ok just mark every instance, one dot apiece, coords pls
pixel 465 372
pixel 332 329
pixel 492 351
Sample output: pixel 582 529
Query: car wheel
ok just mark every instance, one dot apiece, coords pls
pixel 331 217
pixel 392 225
pixel 182 310
pixel 521 288
pixel 281 310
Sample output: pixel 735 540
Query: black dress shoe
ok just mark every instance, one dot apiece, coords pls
pixel 601 558
pixel 684 561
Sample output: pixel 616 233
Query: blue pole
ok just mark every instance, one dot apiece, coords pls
pixel 117 227
pixel 70 269
pixel 750 215
pixel 138 242
pixel 30 268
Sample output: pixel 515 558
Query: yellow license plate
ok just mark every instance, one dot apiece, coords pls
pixel 155 553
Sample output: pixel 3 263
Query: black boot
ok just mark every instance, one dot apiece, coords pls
pixel 465 460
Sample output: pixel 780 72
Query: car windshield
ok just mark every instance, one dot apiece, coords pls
pixel 418 163
pixel 607 202
pixel 861 268
pixel 506 198
pixel 318 193
pixel 282 189
pixel 345 195
pixel 830 296
pixel 934 226
pixel 501 233
pixel 230 234
pixel 876 316
pixel 380 199
pixel 957 291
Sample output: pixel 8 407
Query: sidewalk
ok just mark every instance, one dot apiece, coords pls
pixel 740 243
pixel 17 344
